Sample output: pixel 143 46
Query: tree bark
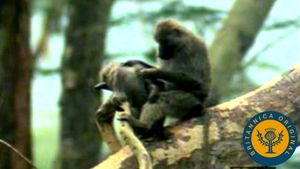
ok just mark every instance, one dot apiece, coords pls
pixel 234 39
pixel 85 44
pixel 186 148
pixel 15 77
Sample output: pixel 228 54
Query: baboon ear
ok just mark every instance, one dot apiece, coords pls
pixel 101 86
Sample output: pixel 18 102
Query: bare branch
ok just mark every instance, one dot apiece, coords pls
pixel 18 153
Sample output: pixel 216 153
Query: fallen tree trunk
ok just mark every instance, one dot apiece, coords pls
pixel 226 124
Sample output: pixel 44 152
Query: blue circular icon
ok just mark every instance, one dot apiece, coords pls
pixel 270 138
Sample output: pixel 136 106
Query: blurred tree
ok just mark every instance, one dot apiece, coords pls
pixel 233 41
pixel 15 76
pixel 85 44
pixel 52 24
pixel 203 18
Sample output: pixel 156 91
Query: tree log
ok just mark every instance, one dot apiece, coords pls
pixel 185 149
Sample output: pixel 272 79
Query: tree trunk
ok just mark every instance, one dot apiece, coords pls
pixel 185 150
pixel 233 41
pixel 85 44
pixel 15 77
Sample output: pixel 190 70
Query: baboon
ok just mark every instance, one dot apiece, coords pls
pixel 185 70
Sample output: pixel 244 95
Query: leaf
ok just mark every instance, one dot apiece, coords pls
pixel 284 24
pixel 267 65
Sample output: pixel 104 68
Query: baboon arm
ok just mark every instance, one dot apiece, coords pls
pixel 181 80
pixel 134 121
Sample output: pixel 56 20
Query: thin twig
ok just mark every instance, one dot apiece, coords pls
pixel 17 152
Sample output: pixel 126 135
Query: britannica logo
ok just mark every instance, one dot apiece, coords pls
pixel 270 138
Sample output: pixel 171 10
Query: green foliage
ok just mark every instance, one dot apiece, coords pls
pixel 284 24
pixel 267 65
pixel 175 9
pixel 202 17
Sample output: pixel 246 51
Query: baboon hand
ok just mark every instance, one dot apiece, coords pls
pixel 124 117
pixel 148 73
pixel 117 102
pixel 105 113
